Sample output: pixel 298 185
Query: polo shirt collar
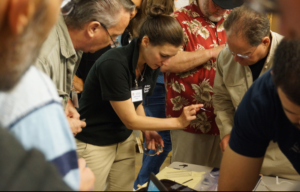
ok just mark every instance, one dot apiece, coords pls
pixel 66 44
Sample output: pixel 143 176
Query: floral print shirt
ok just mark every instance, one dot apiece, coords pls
pixel 195 86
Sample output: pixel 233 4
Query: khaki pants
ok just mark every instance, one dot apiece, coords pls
pixel 198 149
pixel 113 165
pixel 276 164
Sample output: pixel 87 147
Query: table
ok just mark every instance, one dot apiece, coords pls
pixel 267 183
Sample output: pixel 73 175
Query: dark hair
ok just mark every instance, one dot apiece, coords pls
pixel 286 69
pixel 135 23
pixel 161 28
pixel 250 24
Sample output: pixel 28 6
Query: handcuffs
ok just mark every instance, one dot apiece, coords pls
pixel 159 149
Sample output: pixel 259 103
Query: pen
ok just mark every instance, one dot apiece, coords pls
pixel 187 181
pixel 205 109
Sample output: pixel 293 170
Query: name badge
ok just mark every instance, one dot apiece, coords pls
pixel 136 95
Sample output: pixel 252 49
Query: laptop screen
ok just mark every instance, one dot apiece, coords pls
pixel 152 186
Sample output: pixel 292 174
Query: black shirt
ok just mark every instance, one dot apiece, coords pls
pixel 111 79
pixel 260 119
pixel 88 59
pixel 257 68
pixel 87 62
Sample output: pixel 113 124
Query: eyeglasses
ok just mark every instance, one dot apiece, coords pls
pixel 239 55
pixel 115 42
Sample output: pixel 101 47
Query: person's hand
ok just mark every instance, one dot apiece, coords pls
pixel 153 139
pixel 71 111
pixel 224 142
pixel 76 125
pixel 188 114
pixel 78 84
pixel 214 52
pixel 87 177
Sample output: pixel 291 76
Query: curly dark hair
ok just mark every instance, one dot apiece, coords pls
pixel 286 69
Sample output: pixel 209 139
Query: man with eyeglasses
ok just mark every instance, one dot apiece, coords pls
pixel 85 26
pixel 269 111
pixel 88 59
pixel 248 54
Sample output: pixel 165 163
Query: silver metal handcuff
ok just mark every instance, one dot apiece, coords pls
pixel 159 149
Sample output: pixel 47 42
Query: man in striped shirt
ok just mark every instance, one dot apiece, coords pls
pixel 30 106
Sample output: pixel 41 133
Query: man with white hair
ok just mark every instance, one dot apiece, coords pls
pixel 189 79
pixel 86 26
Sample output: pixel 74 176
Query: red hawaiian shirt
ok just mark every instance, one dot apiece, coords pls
pixel 195 86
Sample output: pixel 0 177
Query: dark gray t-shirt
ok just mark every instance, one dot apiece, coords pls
pixel 260 119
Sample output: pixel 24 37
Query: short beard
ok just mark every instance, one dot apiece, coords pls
pixel 215 19
pixel 209 15
pixel 17 54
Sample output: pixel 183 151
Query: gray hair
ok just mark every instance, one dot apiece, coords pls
pixel 79 12
pixel 250 24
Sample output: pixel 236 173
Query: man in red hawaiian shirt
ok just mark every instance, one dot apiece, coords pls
pixel 190 76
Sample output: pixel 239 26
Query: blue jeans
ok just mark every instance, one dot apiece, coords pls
pixel 155 107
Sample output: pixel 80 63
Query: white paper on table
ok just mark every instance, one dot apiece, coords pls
pixel 196 176
pixel 269 184
pixel 181 3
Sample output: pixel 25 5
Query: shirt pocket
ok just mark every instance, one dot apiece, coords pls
pixel 237 91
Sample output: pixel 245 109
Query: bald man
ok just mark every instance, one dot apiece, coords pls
pixel 30 107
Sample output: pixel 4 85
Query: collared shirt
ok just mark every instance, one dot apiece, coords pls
pixel 33 113
pixel 112 78
pixel 259 119
pixel 59 60
pixel 232 82
pixel 195 86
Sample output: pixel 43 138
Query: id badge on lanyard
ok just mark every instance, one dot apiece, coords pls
pixel 137 93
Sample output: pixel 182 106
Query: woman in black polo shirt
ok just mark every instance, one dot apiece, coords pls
pixel 112 99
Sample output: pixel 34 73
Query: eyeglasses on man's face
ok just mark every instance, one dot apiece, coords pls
pixel 115 42
pixel 239 55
